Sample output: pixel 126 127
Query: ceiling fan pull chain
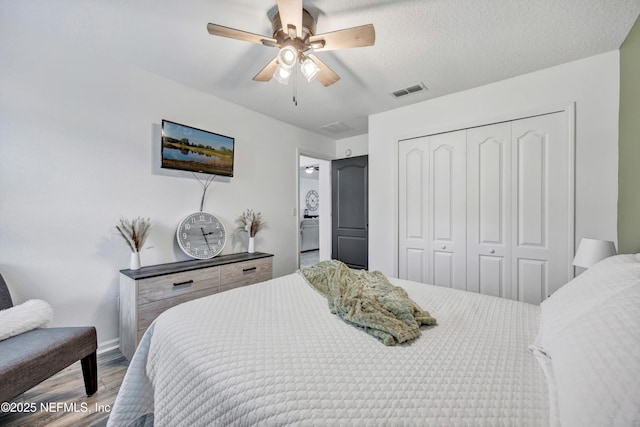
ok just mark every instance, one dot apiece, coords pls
pixel 295 86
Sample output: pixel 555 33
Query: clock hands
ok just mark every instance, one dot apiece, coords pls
pixel 205 237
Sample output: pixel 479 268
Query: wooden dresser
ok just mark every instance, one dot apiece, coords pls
pixel 147 292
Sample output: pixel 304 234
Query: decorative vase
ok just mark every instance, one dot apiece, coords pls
pixel 252 245
pixel 135 261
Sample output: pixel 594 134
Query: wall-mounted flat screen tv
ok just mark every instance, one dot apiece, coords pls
pixel 189 149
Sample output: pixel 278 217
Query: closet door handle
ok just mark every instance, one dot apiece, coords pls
pixel 492 251
pixel 444 246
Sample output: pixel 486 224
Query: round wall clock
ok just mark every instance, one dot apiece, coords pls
pixel 201 235
pixel 312 200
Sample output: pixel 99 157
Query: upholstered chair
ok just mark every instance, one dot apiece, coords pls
pixel 29 358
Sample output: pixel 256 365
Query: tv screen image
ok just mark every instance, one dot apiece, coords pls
pixel 196 150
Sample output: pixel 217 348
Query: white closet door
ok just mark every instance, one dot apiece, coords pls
pixel 540 212
pixel 489 209
pixel 447 213
pixel 413 207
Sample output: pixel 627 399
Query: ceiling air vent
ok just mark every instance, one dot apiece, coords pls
pixel 409 90
pixel 336 127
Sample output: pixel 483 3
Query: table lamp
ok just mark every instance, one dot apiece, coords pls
pixel 592 251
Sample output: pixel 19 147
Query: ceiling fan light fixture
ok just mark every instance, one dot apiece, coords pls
pixel 282 74
pixel 309 69
pixel 294 33
pixel 288 57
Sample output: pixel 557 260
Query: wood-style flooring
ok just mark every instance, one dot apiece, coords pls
pixel 61 400
pixel 309 258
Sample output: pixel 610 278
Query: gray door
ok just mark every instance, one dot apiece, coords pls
pixel 350 216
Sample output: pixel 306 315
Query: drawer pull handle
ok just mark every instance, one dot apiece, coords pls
pixel 188 282
pixel 249 270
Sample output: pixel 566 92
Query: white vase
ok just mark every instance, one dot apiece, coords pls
pixel 252 245
pixel 135 261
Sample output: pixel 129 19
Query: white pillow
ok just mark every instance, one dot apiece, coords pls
pixel 22 318
pixel 585 292
pixel 596 363
pixel 579 326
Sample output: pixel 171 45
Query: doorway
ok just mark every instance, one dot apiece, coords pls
pixel 314 210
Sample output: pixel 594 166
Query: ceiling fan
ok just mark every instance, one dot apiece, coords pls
pixel 294 32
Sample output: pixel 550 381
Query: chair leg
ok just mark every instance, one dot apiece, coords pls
pixel 90 373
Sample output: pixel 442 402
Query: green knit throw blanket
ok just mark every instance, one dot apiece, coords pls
pixel 368 300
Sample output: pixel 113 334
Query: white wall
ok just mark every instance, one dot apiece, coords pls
pixel 358 146
pixel 592 83
pixel 79 148
pixel 325 209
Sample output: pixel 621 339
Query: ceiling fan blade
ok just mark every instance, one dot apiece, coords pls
pixel 232 33
pixel 291 14
pixel 267 72
pixel 364 35
pixel 326 76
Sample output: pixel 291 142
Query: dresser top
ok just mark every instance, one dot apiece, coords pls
pixel 193 264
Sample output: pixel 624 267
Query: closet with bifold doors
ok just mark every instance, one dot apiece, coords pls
pixel 489 209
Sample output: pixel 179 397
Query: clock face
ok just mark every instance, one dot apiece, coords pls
pixel 201 235
pixel 312 200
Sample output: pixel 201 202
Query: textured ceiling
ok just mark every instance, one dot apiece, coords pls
pixel 449 45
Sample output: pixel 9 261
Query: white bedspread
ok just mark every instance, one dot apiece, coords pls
pixel 273 354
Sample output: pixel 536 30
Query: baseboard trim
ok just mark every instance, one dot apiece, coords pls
pixel 108 345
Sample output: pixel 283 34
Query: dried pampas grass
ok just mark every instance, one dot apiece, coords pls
pixel 251 221
pixel 134 232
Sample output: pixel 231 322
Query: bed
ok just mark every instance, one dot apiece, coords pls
pixel 273 354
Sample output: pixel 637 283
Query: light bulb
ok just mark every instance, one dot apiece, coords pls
pixel 282 74
pixel 287 57
pixel 309 69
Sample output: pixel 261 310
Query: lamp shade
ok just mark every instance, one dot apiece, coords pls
pixel 591 251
